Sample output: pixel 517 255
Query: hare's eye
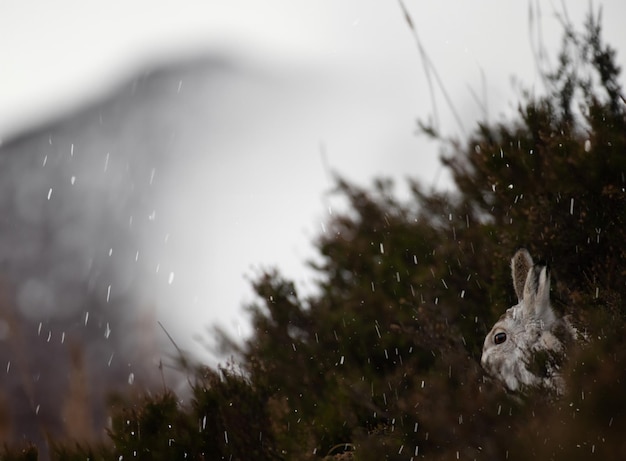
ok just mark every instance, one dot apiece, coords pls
pixel 499 338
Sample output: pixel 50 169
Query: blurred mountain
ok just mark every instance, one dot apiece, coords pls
pixel 79 262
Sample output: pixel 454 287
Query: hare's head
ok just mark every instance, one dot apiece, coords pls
pixel 526 344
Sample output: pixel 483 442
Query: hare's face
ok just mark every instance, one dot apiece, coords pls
pixel 507 349
pixel 524 330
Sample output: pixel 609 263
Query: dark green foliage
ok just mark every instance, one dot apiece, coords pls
pixel 28 453
pixel 154 429
pixel 232 417
pixel 76 452
pixel 226 419
pixel 383 361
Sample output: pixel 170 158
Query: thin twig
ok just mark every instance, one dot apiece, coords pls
pixel 425 61
pixel 428 68
pixel 171 339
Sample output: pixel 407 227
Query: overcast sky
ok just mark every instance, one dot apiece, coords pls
pixel 345 77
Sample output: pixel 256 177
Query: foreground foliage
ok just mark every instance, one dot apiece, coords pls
pixel 383 362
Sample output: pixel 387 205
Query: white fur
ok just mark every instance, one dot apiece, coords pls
pixel 530 328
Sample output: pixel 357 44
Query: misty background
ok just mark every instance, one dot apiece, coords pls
pixel 156 155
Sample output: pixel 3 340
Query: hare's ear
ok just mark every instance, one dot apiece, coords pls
pixel 537 296
pixel 521 263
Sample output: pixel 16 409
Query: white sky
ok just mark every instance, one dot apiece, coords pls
pixel 370 89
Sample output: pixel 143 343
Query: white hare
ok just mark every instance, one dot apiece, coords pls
pixel 525 346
